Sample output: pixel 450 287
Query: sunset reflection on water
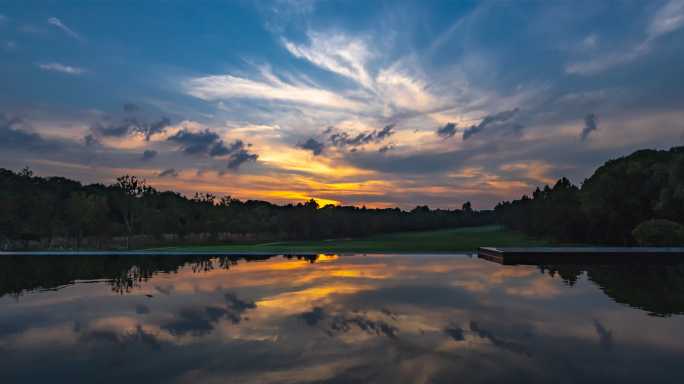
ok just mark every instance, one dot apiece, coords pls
pixel 357 318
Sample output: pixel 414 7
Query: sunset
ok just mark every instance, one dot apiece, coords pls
pixel 354 103
pixel 341 191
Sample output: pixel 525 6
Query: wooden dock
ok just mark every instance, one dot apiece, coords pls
pixel 584 256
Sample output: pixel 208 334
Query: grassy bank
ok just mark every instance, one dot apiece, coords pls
pixel 460 239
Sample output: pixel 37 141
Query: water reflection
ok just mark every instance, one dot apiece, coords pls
pixel 327 318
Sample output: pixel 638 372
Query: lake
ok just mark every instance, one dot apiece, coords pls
pixel 335 319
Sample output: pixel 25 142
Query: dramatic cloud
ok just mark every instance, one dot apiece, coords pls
pixel 272 88
pixel 340 54
pixel 445 132
pixel 11 138
pixel 62 68
pixel 218 150
pixel 102 130
pixel 312 145
pixel 91 141
pixel 169 172
pixel 590 125
pixel 385 132
pixel 312 318
pixel 195 143
pixel 328 130
pixel 129 125
pixel 190 322
pixel 54 21
pixel 148 155
pixel 342 139
pixel 497 342
pixel 240 157
pixel 455 332
pixel 155 128
pixel 387 147
pixel 499 117
pixel 344 324
pixel 208 143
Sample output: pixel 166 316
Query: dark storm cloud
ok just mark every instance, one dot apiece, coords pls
pixel 237 305
pixel 130 107
pixel 91 141
pixel 148 155
pixel 236 152
pixel 131 125
pixel 344 324
pixel 590 124
pixel 312 145
pixel 499 117
pixel 445 132
pixel 208 143
pixel 195 143
pixel 497 342
pixel 191 322
pixel 386 132
pixel 155 128
pixel 169 172
pixel 198 322
pixel 218 150
pixel 345 139
pixel 102 130
pixel 455 332
pixel 328 130
pixel 240 157
pixel 11 138
pixel 387 147
pixel 312 318
pixel 606 336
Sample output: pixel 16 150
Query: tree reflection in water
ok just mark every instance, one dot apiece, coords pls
pixel 658 290
pixel 389 319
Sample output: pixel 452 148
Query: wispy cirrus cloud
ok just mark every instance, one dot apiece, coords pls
pixel 62 68
pixel 224 87
pixel 54 21
pixel 339 53
pixel 668 19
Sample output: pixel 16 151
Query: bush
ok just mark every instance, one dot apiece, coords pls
pixel 659 233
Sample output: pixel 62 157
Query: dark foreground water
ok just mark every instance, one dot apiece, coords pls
pixel 329 319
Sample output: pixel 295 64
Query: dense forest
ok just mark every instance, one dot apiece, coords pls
pixel 58 213
pixel 646 187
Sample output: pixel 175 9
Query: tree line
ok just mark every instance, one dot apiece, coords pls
pixel 656 289
pixel 644 187
pixel 54 212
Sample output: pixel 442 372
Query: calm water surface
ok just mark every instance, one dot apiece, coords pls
pixel 329 319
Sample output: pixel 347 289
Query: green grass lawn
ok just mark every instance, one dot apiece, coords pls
pixel 460 239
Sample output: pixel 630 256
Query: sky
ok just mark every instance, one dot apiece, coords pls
pixel 383 104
